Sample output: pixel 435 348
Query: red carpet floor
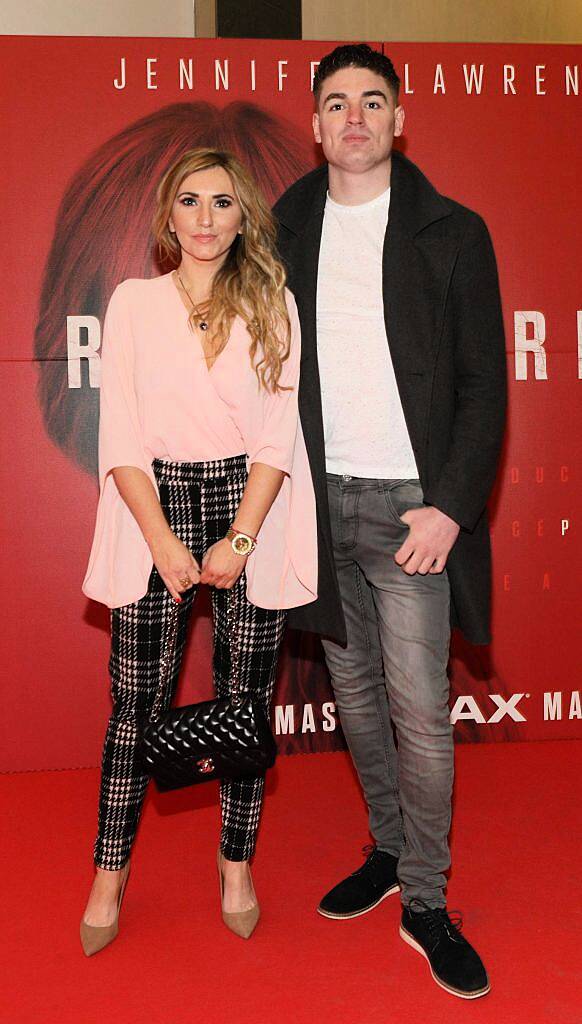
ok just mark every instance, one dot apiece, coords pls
pixel 516 878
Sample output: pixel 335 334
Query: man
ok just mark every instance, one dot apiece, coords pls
pixel 402 400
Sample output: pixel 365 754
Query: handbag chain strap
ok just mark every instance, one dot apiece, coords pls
pixel 167 659
pixel 232 628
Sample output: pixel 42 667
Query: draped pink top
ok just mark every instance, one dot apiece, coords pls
pixel 160 400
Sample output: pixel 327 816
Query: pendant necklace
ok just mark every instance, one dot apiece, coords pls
pixel 198 311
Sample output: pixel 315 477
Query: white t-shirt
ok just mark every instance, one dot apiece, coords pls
pixel 364 427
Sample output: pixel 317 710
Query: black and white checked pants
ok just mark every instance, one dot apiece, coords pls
pixel 200 500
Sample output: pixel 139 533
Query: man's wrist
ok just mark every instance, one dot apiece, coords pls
pixel 445 514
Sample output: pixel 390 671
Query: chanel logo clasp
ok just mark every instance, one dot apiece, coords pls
pixel 205 765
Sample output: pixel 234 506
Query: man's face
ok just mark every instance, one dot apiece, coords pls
pixel 356 120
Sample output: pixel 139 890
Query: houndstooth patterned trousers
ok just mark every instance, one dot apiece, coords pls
pixel 200 500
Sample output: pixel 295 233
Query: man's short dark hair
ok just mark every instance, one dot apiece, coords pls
pixel 356 56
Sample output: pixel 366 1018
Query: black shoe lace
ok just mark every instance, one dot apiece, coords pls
pixel 372 855
pixel 438 919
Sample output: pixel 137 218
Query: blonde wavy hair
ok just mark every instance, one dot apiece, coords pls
pixel 251 281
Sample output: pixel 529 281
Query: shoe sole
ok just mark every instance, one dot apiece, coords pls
pixel 358 913
pixel 448 988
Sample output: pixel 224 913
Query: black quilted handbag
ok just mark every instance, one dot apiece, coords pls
pixel 226 738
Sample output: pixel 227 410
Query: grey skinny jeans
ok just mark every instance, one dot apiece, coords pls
pixel 393 673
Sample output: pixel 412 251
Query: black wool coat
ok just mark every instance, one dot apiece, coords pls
pixel 444 326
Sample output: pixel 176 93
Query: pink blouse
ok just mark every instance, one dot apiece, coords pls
pixel 160 400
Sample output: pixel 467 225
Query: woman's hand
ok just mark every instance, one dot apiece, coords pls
pixel 175 563
pixel 221 566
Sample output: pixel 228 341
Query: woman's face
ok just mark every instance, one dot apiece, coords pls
pixel 206 216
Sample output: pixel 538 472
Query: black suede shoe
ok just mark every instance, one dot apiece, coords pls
pixel 454 964
pixel 365 889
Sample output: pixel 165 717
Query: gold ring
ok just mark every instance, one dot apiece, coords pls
pixel 187 582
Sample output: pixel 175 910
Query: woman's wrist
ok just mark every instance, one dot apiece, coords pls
pixel 242 543
pixel 237 528
pixel 157 534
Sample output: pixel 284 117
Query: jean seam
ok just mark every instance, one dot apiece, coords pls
pixel 390 768
pixel 392 511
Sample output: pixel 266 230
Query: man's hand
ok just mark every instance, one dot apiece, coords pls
pixel 431 537
pixel 221 566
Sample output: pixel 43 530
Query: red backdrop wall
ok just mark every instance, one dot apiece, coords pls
pixel 496 127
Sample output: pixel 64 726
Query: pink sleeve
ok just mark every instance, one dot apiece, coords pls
pixel 282 572
pixel 120 561
pixel 275 441
pixel 120 434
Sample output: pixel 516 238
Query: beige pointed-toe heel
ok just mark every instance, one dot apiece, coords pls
pixel 244 922
pixel 95 937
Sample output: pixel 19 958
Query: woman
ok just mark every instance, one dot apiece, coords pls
pixel 98 240
pixel 203 479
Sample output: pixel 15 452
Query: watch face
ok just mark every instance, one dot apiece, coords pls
pixel 242 545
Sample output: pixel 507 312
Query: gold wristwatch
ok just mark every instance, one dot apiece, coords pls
pixel 241 543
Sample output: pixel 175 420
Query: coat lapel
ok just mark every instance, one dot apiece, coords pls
pixel 307 227
pixel 306 224
pixel 303 282
pixel 415 271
